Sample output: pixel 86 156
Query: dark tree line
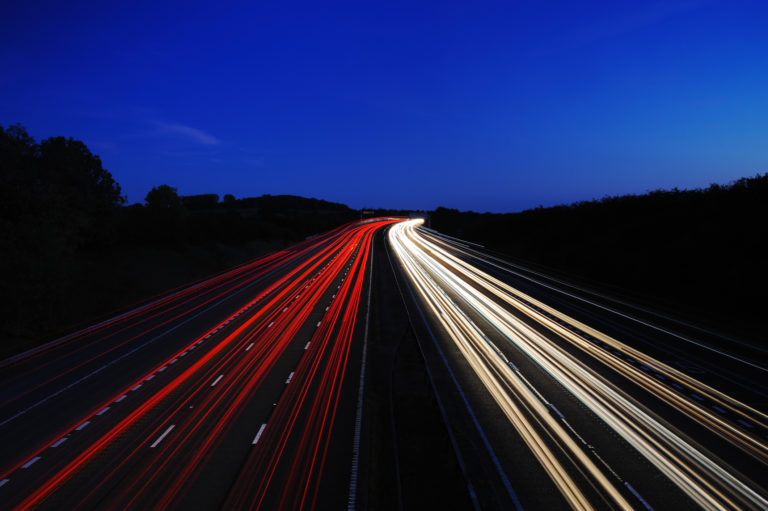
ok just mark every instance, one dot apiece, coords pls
pixel 67 238
pixel 699 251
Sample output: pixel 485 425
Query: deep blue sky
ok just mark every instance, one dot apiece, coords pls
pixel 472 105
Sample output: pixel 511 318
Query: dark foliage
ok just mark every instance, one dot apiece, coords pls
pixel 55 201
pixel 68 243
pixel 700 252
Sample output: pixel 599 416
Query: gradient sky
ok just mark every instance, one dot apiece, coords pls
pixel 471 105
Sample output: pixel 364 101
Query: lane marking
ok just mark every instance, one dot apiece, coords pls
pixel 289 378
pixel 162 369
pixel 136 387
pixel 160 439
pixel 120 398
pixel 307 346
pixel 637 495
pixel 173 361
pixel 30 462
pixel 217 380
pixel 59 441
pixel 4 481
pixel 249 347
pixel 81 426
pixel 258 435
pixel 318 323
pixel 352 499
pixel 270 325
pixel 103 411
pixel 149 377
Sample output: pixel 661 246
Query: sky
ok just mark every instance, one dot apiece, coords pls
pixel 485 106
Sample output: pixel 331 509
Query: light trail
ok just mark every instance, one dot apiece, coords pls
pixel 184 419
pixel 452 288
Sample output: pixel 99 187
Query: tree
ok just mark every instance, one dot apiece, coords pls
pixel 163 197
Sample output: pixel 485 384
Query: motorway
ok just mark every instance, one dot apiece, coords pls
pixel 246 390
pixel 234 391
pixel 560 401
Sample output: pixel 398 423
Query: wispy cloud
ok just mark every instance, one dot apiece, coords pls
pixel 189 132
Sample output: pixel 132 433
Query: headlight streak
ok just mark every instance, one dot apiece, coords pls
pixel 737 436
pixel 431 270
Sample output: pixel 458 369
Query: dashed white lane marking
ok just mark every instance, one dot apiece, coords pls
pixel 285 309
pixel 183 354
pixel 307 346
pixel 59 441
pixel 289 378
pixel 136 387
pixel 326 309
pixel 4 481
pixel 160 438
pixel 103 411
pixel 173 361
pixel 120 398
pixel 30 462
pixel 258 435
pixel 318 323
pixel 149 377
pixel 270 325
pixel 217 380
pixel 81 426
pixel 162 369
pixel 249 347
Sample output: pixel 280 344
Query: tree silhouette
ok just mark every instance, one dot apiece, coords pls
pixel 163 197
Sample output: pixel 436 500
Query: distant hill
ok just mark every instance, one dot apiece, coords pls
pixel 701 252
pixel 290 203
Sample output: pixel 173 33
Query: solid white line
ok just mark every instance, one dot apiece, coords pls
pixel 160 439
pixel 261 430
pixel 217 380
pixel 249 347
pixel 120 398
pixel 307 346
pixel 59 441
pixel 81 426
pixel 359 414
pixel 102 411
pixel 289 378
pixel 30 462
